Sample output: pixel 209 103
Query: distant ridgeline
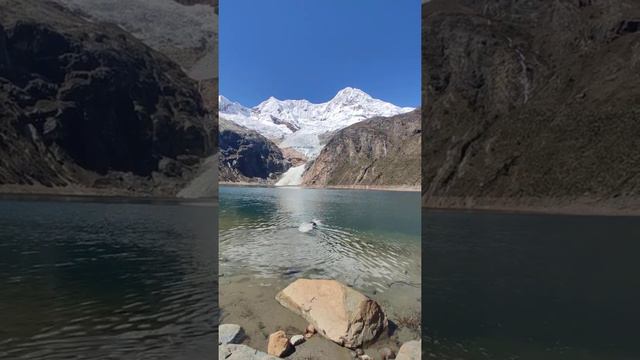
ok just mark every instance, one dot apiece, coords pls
pixel 543 109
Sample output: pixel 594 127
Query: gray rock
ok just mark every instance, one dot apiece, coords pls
pixel 242 352
pixel 411 350
pixel 230 334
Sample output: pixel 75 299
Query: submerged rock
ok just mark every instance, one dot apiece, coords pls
pixel 278 344
pixel 411 350
pixel 230 334
pixel 341 314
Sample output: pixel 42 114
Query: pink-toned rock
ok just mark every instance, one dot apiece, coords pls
pixel 278 344
pixel 336 311
pixel 309 332
pixel 311 329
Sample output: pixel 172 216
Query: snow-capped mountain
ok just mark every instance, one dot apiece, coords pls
pixel 300 124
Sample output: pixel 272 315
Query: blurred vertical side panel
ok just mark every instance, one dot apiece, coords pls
pixel 108 179
pixel 531 186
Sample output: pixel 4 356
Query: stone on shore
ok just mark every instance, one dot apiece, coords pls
pixel 242 352
pixel 309 331
pixel 230 334
pixel 296 340
pixel 340 313
pixel 278 344
pixel 411 350
pixel 387 354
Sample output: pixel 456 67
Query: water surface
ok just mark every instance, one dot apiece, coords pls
pixel 518 286
pixel 367 239
pixel 121 280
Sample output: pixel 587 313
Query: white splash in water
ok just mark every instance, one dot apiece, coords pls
pixel 305 227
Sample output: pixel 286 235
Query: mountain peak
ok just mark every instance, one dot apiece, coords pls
pixel 231 107
pixel 350 94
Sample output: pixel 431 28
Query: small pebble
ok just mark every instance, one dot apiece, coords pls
pixel 311 329
pixel 296 340
pixel 387 354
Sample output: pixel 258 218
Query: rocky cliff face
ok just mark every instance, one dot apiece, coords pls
pixel 376 152
pixel 86 104
pixel 246 156
pixel 530 102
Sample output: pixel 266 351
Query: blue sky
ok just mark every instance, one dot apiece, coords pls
pixel 310 49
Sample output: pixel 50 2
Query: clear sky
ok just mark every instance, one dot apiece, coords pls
pixel 310 49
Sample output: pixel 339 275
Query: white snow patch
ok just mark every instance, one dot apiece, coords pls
pixel 293 176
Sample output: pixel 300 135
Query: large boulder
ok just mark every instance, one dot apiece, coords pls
pixel 338 312
pixel 411 350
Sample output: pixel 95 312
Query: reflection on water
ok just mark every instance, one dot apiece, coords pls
pixel 516 286
pixel 368 239
pixel 117 280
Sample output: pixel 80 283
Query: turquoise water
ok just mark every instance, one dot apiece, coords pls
pixel 121 280
pixel 367 239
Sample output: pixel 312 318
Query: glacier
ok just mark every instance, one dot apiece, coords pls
pixel 303 125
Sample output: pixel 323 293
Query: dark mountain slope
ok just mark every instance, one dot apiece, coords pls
pixel 246 156
pixel 531 103
pixel 86 105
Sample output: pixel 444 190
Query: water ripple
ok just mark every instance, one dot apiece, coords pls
pixel 98 280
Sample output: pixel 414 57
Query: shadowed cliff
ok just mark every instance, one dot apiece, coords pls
pixel 531 104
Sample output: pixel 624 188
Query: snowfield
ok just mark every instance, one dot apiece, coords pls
pixel 300 124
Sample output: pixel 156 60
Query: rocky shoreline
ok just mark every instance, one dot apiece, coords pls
pixel 583 206
pixel 336 187
pixel 335 313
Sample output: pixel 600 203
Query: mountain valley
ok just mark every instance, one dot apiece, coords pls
pixel 301 131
